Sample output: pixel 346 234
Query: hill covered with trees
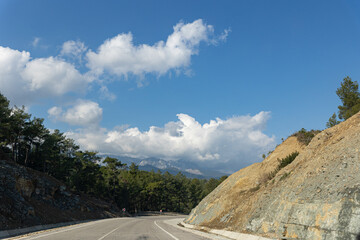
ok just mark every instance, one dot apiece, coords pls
pixel 26 141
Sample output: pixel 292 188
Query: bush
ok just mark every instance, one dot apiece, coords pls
pixel 287 160
pixel 304 136
pixel 282 163
pixel 285 175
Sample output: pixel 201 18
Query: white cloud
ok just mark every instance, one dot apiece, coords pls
pixel 73 49
pixel 106 94
pixel 12 63
pixel 194 171
pixel 224 35
pixel 55 112
pixel 22 80
pixel 35 42
pixel 52 76
pixel 83 113
pixel 234 142
pixel 119 56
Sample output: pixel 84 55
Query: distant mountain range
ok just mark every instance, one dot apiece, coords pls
pixel 189 169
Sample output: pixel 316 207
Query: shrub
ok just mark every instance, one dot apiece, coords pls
pixel 287 160
pixel 285 175
pixel 282 163
pixel 304 136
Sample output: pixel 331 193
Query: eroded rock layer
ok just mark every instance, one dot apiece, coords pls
pixel 317 196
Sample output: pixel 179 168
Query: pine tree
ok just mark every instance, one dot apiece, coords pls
pixel 350 98
pixel 332 121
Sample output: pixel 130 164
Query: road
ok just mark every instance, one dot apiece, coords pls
pixel 138 228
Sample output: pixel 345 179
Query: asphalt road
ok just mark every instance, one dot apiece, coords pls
pixel 139 228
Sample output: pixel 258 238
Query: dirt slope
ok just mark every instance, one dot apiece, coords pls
pixel 317 196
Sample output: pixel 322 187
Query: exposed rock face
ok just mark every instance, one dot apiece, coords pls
pixel 29 198
pixel 317 196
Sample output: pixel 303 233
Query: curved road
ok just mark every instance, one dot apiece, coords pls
pixel 139 228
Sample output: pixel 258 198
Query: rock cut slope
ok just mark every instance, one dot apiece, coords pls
pixel 317 196
pixel 29 198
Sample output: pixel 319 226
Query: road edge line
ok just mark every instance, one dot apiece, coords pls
pixel 166 231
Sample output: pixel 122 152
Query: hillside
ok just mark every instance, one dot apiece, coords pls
pixel 29 197
pixel 317 196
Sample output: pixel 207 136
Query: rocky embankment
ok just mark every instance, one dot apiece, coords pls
pixel 317 196
pixel 29 198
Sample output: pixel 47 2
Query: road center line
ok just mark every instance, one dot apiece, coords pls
pixel 166 231
pixel 109 233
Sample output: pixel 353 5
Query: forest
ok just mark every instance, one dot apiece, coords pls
pixel 25 140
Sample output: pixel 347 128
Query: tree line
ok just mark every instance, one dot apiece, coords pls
pixel 25 140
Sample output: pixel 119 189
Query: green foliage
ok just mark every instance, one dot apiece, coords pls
pixel 304 136
pixel 272 174
pixel 26 141
pixel 349 95
pixel 332 121
pixel 285 175
pixel 287 160
pixel 283 162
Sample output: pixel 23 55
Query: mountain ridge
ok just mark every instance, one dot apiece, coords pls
pixel 189 169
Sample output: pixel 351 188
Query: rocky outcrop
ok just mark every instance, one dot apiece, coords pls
pixel 29 197
pixel 317 196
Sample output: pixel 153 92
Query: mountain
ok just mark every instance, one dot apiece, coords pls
pixel 316 196
pixel 189 169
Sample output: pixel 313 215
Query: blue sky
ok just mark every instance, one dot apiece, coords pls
pixel 280 59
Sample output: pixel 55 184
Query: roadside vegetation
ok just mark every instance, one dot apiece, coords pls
pixel 349 95
pixel 25 140
pixel 305 136
pixel 283 162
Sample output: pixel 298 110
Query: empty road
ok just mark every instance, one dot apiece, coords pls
pixel 139 228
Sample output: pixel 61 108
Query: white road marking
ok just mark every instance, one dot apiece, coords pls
pixel 166 231
pixel 65 230
pixel 109 233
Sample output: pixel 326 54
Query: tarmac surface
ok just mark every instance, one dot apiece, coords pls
pixel 135 228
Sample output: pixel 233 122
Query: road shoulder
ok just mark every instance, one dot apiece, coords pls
pixel 212 233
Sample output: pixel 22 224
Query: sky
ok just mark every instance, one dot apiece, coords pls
pixel 214 82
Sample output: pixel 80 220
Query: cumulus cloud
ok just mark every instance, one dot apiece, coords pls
pixel 119 55
pixel 53 76
pixel 12 64
pixel 23 79
pixel 237 140
pixel 82 113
